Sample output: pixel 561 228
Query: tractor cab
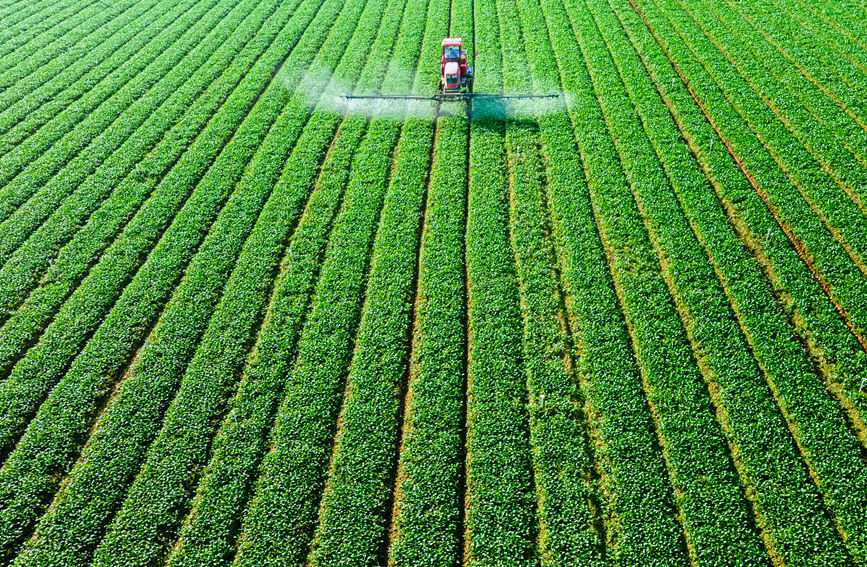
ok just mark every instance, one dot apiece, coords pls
pixel 455 75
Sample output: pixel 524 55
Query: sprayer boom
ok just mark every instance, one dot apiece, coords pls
pixel 456 81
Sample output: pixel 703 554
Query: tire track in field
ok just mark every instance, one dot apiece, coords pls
pixel 532 18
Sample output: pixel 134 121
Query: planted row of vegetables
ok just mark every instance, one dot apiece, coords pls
pixel 90 129
pixel 567 505
pixel 32 101
pixel 637 505
pixel 690 228
pixel 95 370
pixel 280 524
pixel 820 215
pixel 831 469
pixel 173 125
pixel 63 26
pixel 846 130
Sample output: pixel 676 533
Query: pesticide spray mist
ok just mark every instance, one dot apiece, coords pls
pixel 321 89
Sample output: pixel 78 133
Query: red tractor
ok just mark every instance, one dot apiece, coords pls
pixel 455 75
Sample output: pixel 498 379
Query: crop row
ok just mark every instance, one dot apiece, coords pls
pixel 827 445
pixel 47 91
pixel 356 504
pixel 500 497
pixel 849 130
pixel 27 262
pixel 638 510
pixel 796 101
pixel 683 220
pixel 841 78
pixel 61 24
pixel 427 509
pixel 37 166
pixel 279 524
pixel 154 506
pixel 567 506
pixel 78 247
pixel 37 64
pixel 714 511
pixel 81 136
pixel 18 15
pixel 162 488
pixel 836 25
pixel 426 528
pixel 209 531
pixel 22 477
pixel 787 182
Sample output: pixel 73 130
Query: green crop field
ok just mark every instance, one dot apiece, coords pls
pixel 246 320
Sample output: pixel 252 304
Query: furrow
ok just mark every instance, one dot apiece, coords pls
pixel 561 458
pixel 825 202
pixel 293 471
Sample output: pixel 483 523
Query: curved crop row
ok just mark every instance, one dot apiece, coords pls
pixel 802 189
pixel 173 461
pixel 17 15
pixel 842 79
pixel 209 532
pixel 26 481
pixel 77 140
pixel 356 501
pixel 814 244
pixel 835 24
pixel 820 125
pixel 75 209
pixel 851 395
